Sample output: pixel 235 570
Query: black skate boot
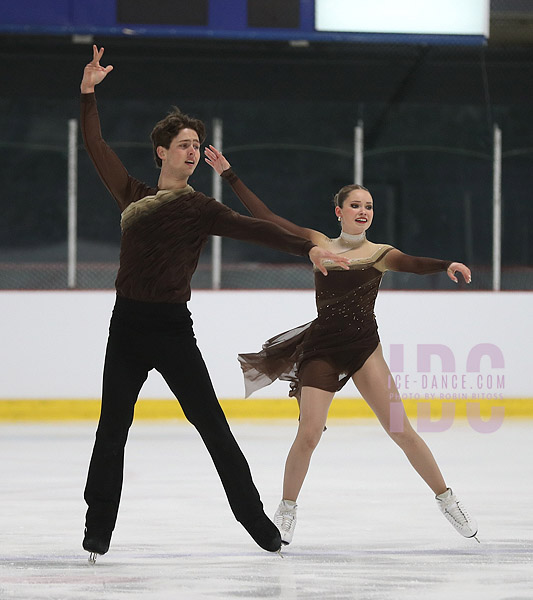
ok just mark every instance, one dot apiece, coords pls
pixel 264 533
pixel 96 541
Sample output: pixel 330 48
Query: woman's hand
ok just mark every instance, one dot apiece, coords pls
pixel 216 159
pixel 94 73
pixel 463 269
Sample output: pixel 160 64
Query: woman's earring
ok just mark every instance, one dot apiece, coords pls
pixel 338 218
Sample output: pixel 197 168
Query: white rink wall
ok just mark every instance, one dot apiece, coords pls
pixel 474 344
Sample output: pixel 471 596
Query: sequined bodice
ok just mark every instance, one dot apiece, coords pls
pixel 347 298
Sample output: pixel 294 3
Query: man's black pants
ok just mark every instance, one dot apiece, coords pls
pixel 145 336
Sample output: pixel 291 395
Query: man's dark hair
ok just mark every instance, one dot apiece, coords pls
pixel 168 128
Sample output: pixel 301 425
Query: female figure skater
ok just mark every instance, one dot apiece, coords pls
pixel 341 343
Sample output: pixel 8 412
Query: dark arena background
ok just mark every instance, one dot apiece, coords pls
pixel 288 99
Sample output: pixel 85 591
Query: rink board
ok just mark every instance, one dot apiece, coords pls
pixel 447 352
pixel 268 408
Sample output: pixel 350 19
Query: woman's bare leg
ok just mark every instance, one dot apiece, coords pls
pixel 376 384
pixel 314 407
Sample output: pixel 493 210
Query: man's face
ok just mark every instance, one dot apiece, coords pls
pixel 181 158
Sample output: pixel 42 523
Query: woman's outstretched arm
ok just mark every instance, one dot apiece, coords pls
pixel 398 261
pixel 255 205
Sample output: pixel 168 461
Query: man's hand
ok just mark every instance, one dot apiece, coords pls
pixel 216 159
pixel 317 255
pixel 94 73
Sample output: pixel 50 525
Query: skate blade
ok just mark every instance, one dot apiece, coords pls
pixel 92 558
pixel 279 552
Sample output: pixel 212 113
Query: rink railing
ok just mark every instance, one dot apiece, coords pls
pixel 216 253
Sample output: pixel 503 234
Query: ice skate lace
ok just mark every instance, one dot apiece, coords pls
pixel 458 513
pixel 285 520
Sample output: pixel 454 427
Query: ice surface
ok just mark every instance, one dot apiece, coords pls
pixel 368 527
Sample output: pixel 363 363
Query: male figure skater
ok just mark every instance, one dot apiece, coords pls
pixel 164 229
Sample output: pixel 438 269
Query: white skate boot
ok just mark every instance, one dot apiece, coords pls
pixel 285 520
pixel 451 507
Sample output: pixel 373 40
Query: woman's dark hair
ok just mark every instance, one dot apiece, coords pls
pixel 345 191
pixel 168 128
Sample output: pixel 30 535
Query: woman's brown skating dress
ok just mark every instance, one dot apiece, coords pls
pixel 326 352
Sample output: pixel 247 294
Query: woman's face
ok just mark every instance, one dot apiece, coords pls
pixel 357 212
